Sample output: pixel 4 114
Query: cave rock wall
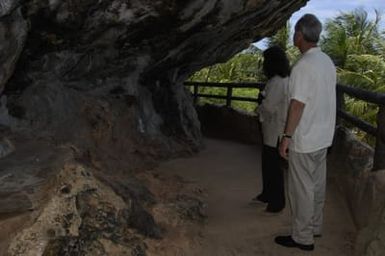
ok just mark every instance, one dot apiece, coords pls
pixel 109 74
pixel 91 94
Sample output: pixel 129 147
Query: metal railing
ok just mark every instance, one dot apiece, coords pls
pixel 229 93
pixel 371 97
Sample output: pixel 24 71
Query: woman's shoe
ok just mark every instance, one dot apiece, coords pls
pixel 274 208
pixel 260 198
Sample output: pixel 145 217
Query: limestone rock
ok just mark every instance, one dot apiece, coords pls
pixel 351 163
pixel 98 88
pixel 6 147
pixel 13 35
pixel 371 239
pixel 76 214
pixel 118 65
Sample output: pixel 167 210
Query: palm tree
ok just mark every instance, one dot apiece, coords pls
pixel 357 47
pixel 351 33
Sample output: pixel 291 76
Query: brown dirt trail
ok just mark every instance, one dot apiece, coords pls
pixel 230 173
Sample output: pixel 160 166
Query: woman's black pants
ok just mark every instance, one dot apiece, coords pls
pixel 272 177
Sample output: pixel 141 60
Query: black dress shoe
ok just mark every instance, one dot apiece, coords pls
pixel 261 198
pixel 287 241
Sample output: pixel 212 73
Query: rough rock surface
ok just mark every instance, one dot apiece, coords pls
pixel 364 190
pixel 53 202
pixel 87 67
pixel 371 239
pixel 98 86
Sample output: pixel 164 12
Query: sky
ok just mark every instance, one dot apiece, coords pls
pixel 327 9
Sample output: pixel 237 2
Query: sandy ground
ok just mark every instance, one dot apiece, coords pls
pixel 230 173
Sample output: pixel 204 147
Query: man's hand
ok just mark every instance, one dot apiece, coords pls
pixel 294 116
pixel 284 147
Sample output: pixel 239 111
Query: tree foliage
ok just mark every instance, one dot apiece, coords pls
pixel 243 67
pixel 357 47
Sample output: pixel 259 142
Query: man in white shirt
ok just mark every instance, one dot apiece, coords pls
pixel 308 133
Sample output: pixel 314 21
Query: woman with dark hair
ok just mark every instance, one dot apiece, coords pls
pixel 272 115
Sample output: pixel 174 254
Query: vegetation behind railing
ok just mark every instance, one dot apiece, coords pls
pixel 228 97
pixel 371 97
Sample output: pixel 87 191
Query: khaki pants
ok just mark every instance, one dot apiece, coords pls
pixel 306 189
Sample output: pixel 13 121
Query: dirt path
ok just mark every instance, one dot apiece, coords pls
pixel 231 174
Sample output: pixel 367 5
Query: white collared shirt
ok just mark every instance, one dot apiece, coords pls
pixel 313 82
pixel 273 110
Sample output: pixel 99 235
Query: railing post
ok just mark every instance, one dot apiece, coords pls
pixel 195 94
pixel 340 102
pixel 379 153
pixel 229 95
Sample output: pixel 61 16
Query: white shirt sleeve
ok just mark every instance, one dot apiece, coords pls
pixel 300 87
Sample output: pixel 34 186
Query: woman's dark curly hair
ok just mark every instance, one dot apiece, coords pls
pixel 275 62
